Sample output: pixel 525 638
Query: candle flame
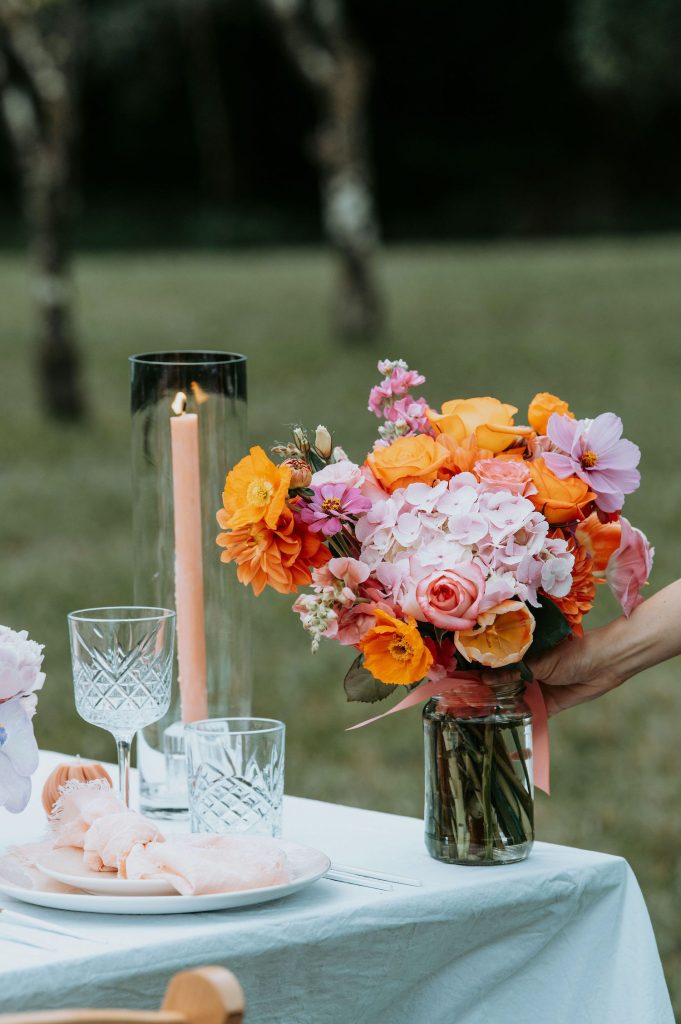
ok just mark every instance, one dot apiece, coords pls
pixel 179 403
pixel 198 393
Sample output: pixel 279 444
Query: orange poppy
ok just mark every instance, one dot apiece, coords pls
pixel 394 651
pixel 490 420
pixel 256 490
pixel 502 637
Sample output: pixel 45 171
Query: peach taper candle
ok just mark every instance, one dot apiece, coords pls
pixel 191 632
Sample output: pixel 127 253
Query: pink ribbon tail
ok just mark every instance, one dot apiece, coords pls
pixel 533 697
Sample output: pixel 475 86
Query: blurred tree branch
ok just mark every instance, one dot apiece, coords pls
pixel 37 43
pixel 317 39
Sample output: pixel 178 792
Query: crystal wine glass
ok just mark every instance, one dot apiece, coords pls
pixel 122 672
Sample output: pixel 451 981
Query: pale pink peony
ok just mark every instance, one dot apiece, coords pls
pixel 450 598
pixel 629 567
pixel 351 571
pixel 505 475
pixel 20 662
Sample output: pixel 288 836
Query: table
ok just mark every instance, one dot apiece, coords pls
pixel 563 938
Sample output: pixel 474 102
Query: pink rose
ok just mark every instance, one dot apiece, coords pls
pixel 505 475
pixel 343 472
pixel 629 567
pixel 450 598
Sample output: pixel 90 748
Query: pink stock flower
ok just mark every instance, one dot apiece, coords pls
pixel 629 567
pixel 412 412
pixel 399 380
pixel 331 507
pixel 450 598
pixel 595 451
pixel 505 475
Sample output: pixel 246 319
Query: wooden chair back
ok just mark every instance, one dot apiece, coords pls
pixel 208 995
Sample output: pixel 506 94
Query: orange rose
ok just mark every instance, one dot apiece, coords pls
pixel 502 637
pixel 408 460
pixel 561 501
pixel 601 540
pixel 462 456
pixel 279 558
pixel 487 418
pixel 394 651
pixel 256 490
pixel 544 405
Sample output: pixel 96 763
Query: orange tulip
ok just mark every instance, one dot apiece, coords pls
pixel 560 501
pixel 601 540
pixel 544 405
pixel 256 490
pixel 408 460
pixel 279 558
pixel 490 420
pixel 394 651
pixel 502 637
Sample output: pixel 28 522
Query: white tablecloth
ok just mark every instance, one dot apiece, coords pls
pixel 563 938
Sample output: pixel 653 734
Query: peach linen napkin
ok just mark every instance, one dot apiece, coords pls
pixel 90 818
pixel 199 864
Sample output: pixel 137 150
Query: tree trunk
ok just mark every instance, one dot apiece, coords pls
pixel 37 106
pixel 334 66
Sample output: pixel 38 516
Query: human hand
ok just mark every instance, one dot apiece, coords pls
pixel 577 670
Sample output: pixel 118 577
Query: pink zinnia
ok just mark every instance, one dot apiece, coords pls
pixel 332 506
pixel 596 452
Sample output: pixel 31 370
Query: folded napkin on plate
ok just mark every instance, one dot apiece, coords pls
pixel 199 864
pixel 109 839
pixel 80 804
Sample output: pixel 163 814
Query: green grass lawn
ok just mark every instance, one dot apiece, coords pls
pixel 596 322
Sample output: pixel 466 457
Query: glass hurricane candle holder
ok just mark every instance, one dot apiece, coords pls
pixel 188 424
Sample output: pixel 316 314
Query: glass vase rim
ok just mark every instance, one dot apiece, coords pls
pixel 179 357
pixel 205 727
pixel 153 614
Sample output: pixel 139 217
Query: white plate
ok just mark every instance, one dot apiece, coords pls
pixel 66 865
pixel 307 866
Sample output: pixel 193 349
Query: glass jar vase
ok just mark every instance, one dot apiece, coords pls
pixel 479 794
pixel 188 429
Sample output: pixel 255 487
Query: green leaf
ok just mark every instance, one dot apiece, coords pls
pixel 360 685
pixel 551 627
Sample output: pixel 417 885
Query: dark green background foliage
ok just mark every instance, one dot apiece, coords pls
pixel 485 119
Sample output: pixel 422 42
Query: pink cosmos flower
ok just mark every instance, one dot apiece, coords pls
pixel 331 507
pixel 597 453
pixel 450 598
pixel 629 567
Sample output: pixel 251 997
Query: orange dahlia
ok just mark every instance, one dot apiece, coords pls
pixel 280 558
pixel 256 490
pixel 394 651
pixel 579 601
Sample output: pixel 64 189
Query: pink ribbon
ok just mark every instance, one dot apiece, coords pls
pixel 534 698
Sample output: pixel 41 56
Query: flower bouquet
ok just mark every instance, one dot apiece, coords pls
pixel 20 677
pixel 462 543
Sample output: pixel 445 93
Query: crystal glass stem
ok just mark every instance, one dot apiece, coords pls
pixel 123 745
